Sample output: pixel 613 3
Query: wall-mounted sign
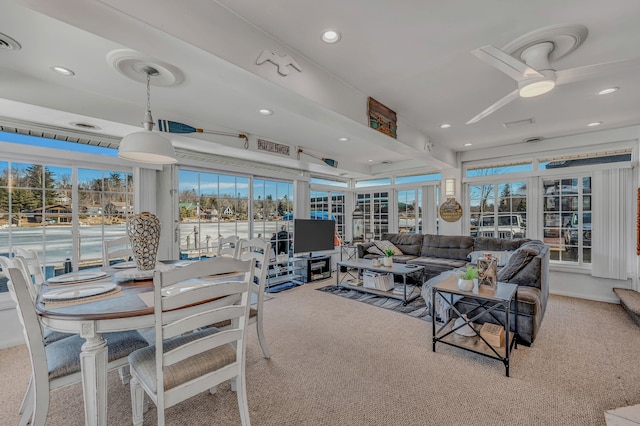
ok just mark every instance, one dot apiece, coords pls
pixel 382 119
pixel 276 148
pixel 451 210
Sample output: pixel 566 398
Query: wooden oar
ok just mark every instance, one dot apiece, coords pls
pixel 175 127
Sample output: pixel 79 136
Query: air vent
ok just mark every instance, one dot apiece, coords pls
pixel 519 123
pixel 533 139
pixel 8 43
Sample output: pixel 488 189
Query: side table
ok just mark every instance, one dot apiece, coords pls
pixel 487 301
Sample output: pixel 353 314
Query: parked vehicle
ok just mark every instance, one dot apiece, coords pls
pixel 510 225
pixel 571 232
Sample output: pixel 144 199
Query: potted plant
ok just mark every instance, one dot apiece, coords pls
pixel 388 257
pixel 467 278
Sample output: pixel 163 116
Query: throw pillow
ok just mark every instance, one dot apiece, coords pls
pixel 385 244
pixel 501 256
pixel 518 260
pixel 375 250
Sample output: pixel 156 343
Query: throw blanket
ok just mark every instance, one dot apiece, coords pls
pixel 442 313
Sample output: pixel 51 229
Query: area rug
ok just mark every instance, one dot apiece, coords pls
pixel 416 308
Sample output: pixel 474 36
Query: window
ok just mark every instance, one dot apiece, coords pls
pixel 431 177
pixel 566 211
pixel 375 206
pixel 498 210
pixel 410 211
pixel 211 205
pixel 499 169
pixel 322 202
pixel 36 211
pixel 273 212
pixel 373 182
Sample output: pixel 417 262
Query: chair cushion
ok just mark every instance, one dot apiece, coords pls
pixel 49 336
pixel 143 361
pixel 63 356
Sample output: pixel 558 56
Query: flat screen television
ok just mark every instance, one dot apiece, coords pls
pixel 311 235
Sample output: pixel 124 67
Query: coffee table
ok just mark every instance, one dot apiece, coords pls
pixel 360 265
pixel 486 300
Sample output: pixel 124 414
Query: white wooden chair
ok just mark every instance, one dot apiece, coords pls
pixel 35 268
pixel 228 246
pixel 258 250
pixel 189 356
pixel 116 249
pixel 58 364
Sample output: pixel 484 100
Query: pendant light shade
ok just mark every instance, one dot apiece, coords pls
pixel 147 146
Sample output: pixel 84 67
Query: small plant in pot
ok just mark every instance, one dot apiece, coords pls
pixel 467 277
pixel 387 260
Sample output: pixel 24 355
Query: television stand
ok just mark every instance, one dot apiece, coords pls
pixel 316 268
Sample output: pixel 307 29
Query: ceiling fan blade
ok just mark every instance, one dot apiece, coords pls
pixel 496 106
pixel 506 63
pixel 607 68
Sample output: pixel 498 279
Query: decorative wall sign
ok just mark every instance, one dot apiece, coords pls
pixel 451 210
pixel 276 148
pixel 382 118
pixel 282 62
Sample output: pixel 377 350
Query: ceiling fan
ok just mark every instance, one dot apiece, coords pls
pixel 535 74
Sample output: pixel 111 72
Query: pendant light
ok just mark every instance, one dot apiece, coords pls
pixel 147 146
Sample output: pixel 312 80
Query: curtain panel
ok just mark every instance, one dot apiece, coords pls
pixel 612 208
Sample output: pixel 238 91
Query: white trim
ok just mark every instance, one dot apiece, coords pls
pixel 6 302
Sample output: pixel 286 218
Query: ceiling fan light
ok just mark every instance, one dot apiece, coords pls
pixel 147 147
pixel 536 88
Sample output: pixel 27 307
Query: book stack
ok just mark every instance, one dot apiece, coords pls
pixel 493 334
pixel 399 289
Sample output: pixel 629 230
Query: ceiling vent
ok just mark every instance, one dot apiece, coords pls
pixel 519 123
pixel 533 139
pixel 8 43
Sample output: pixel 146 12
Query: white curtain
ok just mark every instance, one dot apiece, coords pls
pixel 612 207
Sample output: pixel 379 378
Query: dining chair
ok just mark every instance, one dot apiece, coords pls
pixel 55 365
pixel 258 250
pixel 190 356
pixel 228 246
pixel 35 268
pixel 116 249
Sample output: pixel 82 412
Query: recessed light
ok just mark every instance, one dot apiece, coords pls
pixel 62 71
pixel 607 91
pixel 371 161
pixel 445 126
pixel 343 139
pixel 265 111
pixel 468 144
pixel 331 36
pixel 595 123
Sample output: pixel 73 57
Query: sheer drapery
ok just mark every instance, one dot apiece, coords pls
pixel 612 211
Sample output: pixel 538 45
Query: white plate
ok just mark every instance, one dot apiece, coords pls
pixel 125 265
pixel 76 277
pixel 78 292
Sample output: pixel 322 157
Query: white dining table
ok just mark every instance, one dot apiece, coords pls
pixel 126 311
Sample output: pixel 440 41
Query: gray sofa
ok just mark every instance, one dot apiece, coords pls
pixel 528 267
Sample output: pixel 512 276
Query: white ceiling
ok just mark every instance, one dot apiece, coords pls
pixel 413 56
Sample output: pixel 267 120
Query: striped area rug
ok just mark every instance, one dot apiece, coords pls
pixel 416 308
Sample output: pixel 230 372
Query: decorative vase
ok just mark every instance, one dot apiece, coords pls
pixel 465 285
pixel 144 233
pixel 387 260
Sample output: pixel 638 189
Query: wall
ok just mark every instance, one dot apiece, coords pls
pixel 585 286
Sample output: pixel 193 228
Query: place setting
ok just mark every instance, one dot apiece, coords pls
pixel 83 293
pixel 76 278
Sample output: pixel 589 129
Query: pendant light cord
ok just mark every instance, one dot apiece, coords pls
pixel 148 120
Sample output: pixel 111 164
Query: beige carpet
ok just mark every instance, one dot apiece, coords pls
pixel 336 361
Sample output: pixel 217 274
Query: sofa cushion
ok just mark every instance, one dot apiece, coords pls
pixel 385 245
pixel 408 243
pixel 447 246
pixel 498 244
pixel 518 260
pixel 524 266
pixel 405 258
